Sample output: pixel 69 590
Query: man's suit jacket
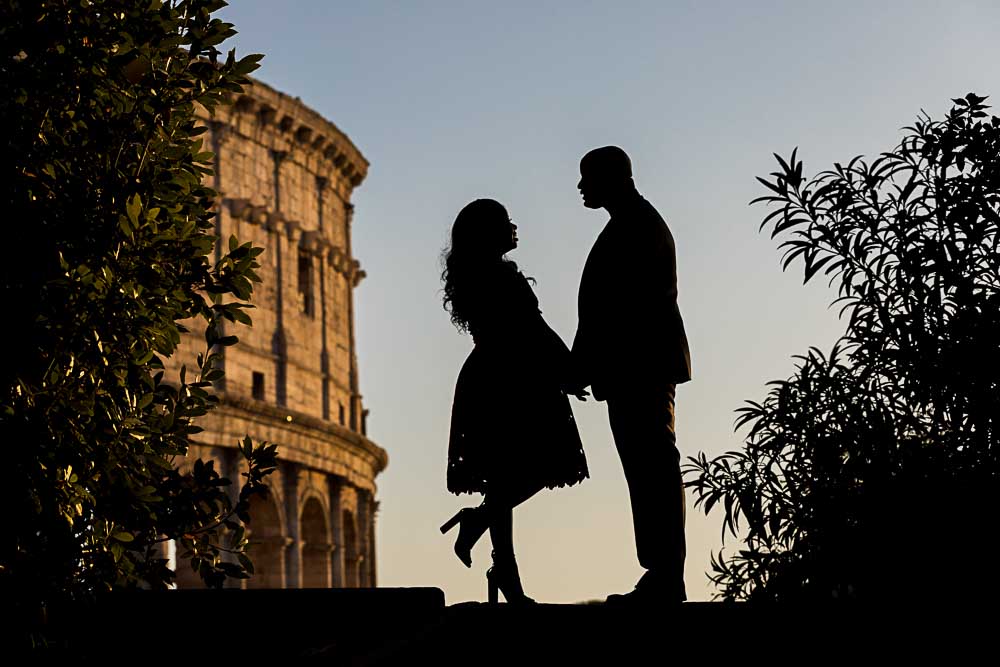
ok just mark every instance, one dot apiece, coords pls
pixel 630 335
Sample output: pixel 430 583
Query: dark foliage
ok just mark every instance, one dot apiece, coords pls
pixel 110 248
pixel 870 472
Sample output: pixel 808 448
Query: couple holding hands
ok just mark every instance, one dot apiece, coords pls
pixel 512 427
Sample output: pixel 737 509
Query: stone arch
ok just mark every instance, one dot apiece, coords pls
pixel 267 544
pixel 350 550
pixel 174 550
pixel 314 533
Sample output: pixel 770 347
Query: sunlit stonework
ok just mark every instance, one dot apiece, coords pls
pixel 286 175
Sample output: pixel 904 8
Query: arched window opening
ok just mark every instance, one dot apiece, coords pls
pixel 316 546
pixel 267 545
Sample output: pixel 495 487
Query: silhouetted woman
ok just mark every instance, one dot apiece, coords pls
pixel 512 428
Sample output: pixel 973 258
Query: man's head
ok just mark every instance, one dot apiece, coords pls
pixel 605 176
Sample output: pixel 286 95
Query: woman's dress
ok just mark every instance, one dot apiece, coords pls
pixel 511 422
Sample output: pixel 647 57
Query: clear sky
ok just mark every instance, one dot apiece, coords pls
pixel 456 101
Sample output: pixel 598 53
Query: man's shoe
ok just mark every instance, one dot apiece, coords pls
pixel 639 597
pixel 649 590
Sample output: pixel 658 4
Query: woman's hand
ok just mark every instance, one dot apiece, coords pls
pixel 576 390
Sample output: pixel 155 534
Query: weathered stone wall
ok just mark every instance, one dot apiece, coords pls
pixel 286 175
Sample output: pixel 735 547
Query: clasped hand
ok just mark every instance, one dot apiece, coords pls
pixel 576 390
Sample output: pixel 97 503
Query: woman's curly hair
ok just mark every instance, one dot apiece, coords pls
pixel 471 253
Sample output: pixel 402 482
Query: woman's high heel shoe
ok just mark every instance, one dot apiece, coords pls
pixel 504 577
pixel 473 523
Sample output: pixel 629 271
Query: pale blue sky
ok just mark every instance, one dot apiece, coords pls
pixel 455 101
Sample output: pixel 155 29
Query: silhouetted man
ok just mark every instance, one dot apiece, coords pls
pixel 631 349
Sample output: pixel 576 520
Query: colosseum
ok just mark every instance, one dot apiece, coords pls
pixel 286 176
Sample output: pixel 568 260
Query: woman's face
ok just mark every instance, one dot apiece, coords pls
pixel 510 235
pixel 503 230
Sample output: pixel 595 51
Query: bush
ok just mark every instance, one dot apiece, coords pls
pixel 869 473
pixel 111 231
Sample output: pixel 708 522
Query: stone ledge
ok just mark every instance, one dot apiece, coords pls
pixel 336 449
pixel 412 626
pixel 231 623
pixel 703 632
